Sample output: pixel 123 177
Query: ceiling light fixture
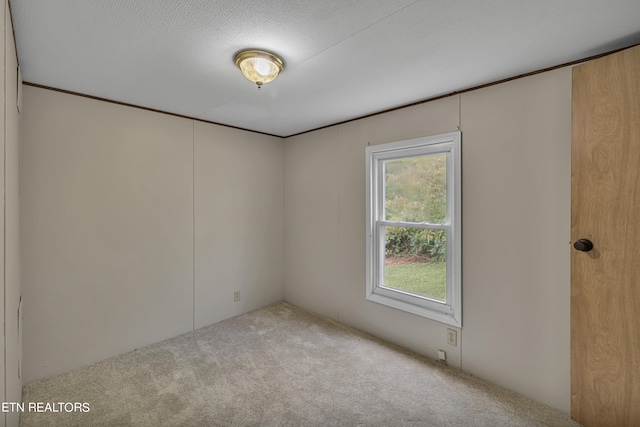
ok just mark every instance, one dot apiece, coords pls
pixel 259 66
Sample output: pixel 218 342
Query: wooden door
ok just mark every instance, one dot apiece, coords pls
pixel 605 209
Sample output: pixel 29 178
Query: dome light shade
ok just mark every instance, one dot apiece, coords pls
pixel 259 66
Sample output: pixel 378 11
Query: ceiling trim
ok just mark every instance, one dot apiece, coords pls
pixel 153 110
pixel 458 92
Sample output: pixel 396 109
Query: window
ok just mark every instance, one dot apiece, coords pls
pixel 413 226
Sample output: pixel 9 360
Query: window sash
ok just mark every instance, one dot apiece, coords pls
pixel 408 297
pixel 382 173
pixel 450 311
pixel 425 225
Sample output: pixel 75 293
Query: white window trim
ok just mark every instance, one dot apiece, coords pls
pixel 450 312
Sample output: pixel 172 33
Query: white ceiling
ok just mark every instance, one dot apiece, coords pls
pixel 343 58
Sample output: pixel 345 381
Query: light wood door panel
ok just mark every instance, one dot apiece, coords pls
pixel 605 208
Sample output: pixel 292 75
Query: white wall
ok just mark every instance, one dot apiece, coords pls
pixel 325 224
pixel 516 186
pixel 2 211
pixel 12 286
pixel 108 227
pixel 311 221
pixel 516 231
pixel 238 222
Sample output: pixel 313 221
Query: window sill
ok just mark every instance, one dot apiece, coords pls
pixel 428 313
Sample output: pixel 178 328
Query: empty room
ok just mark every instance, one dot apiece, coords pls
pixel 320 213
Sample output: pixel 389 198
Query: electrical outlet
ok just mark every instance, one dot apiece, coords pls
pixel 236 296
pixel 452 337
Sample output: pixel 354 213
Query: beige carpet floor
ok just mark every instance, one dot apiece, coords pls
pixel 279 366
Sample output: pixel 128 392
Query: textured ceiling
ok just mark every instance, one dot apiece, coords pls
pixel 343 58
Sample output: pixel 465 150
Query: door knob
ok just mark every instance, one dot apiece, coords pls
pixel 583 245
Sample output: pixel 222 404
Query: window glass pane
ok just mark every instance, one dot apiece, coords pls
pixel 415 261
pixel 416 189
